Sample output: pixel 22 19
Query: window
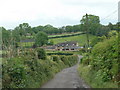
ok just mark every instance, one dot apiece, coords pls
pixel 72 49
pixel 67 49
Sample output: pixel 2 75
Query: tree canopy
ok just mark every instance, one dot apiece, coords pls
pixel 93 23
pixel 41 38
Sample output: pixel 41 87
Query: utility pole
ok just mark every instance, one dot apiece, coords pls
pixel 87 35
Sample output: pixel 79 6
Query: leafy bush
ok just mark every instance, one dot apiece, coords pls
pixel 29 72
pixel 41 38
pixel 41 53
pixel 104 62
pixel 69 60
pixel 55 58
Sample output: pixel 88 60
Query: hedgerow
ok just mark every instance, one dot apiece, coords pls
pixel 103 64
pixel 27 71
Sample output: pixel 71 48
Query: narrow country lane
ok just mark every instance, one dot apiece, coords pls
pixel 67 78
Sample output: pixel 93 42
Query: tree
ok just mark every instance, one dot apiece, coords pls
pixel 93 23
pixel 69 29
pixel 37 29
pixel 103 30
pixel 5 37
pixel 49 29
pixel 76 28
pixel 110 25
pixel 41 38
pixel 23 29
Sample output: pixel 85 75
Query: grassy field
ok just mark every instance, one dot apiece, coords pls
pixel 64 34
pixel 28 44
pixel 81 39
pixel 90 79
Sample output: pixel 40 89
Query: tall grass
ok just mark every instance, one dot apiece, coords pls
pixel 94 80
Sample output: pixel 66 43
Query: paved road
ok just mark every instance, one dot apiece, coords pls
pixel 67 78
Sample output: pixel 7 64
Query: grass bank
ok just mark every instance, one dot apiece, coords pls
pixel 81 39
pixel 100 70
pixel 94 79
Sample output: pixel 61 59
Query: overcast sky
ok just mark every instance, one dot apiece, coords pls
pixel 55 12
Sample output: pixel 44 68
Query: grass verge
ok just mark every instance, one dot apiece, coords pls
pixel 93 79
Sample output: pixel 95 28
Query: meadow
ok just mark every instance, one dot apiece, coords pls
pixel 64 34
pixel 81 39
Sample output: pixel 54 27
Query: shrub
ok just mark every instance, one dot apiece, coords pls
pixel 55 58
pixel 41 53
pixel 30 72
pixel 104 61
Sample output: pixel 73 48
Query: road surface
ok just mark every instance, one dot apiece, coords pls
pixel 67 78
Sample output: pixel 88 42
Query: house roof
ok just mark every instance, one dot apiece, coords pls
pixel 73 47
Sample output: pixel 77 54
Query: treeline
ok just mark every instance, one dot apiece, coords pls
pixel 49 29
pixel 10 38
pixel 31 70
pixel 91 24
pixel 23 31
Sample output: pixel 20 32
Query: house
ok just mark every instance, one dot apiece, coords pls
pixel 65 46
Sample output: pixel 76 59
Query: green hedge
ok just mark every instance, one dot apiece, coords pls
pixel 66 35
pixel 29 72
pixel 103 64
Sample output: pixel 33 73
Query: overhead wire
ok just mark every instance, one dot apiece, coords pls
pixel 111 14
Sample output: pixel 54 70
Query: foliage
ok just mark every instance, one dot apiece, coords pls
pixel 103 62
pixel 41 39
pixel 69 60
pixel 23 29
pixel 50 42
pixel 29 72
pixel 93 78
pixel 49 29
pixel 41 53
pixel 112 33
pixel 93 23
pixel 103 30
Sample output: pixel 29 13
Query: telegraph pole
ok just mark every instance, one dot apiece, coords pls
pixel 87 35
